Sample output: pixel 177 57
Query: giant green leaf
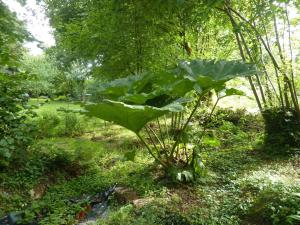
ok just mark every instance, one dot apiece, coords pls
pixel 178 88
pixel 132 117
pixel 147 88
pixel 209 74
pixel 120 87
pixel 199 75
pixel 139 98
pixel 166 91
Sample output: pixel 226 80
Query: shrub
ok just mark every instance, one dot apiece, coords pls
pixel 47 123
pixel 73 162
pixel 51 125
pixel 229 127
pixel 14 111
pixel 282 131
pixel 274 205
pixel 229 115
pixel 61 98
pixel 72 125
pixel 14 134
pixel 238 117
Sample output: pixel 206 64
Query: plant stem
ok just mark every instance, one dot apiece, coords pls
pixel 167 129
pixel 150 151
pixel 186 124
pixel 205 128
pixel 157 138
pixel 152 140
pixel 161 133
pixel 209 119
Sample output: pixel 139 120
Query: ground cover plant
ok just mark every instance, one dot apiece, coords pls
pixel 239 185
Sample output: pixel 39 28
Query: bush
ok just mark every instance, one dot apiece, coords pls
pixel 61 98
pixel 72 125
pixel 234 116
pixel 46 124
pixel 51 125
pixel 228 128
pixel 240 117
pixel 282 131
pixel 15 131
pixel 274 205
pixel 74 162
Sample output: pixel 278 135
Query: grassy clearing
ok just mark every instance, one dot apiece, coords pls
pixel 241 185
pixel 51 106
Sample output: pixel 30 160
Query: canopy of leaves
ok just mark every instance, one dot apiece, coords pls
pixel 210 73
pixel 125 37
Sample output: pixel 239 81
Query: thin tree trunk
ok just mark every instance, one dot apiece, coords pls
pixel 252 61
pixel 286 79
pixel 275 69
pixel 234 25
pixel 291 53
pixel 285 86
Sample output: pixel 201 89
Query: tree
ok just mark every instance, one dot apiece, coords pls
pixel 127 37
pixel 43 75
pixel 76 80
pixel 263 37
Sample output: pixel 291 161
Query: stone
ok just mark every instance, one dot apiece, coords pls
pixel 125 195
pixel 38 191
pixel 141 202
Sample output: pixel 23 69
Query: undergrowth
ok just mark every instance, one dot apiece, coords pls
pixel 242 184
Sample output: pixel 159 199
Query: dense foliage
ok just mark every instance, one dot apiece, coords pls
pixel 44 77
pixel 14 134
pixel 121 38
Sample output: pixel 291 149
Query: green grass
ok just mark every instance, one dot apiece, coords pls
pixel 52 106
pixel 238 177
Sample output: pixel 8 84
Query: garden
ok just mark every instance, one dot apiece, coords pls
pixel 177 112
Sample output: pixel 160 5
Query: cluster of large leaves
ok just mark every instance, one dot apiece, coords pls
pixel 134 101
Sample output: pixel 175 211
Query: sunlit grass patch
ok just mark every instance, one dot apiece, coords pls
pixel 271 174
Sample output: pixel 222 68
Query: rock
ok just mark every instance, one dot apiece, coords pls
pixel 96 138
pixel 125 195
pixel 98 208
pixel 38 191
pixel 139 203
